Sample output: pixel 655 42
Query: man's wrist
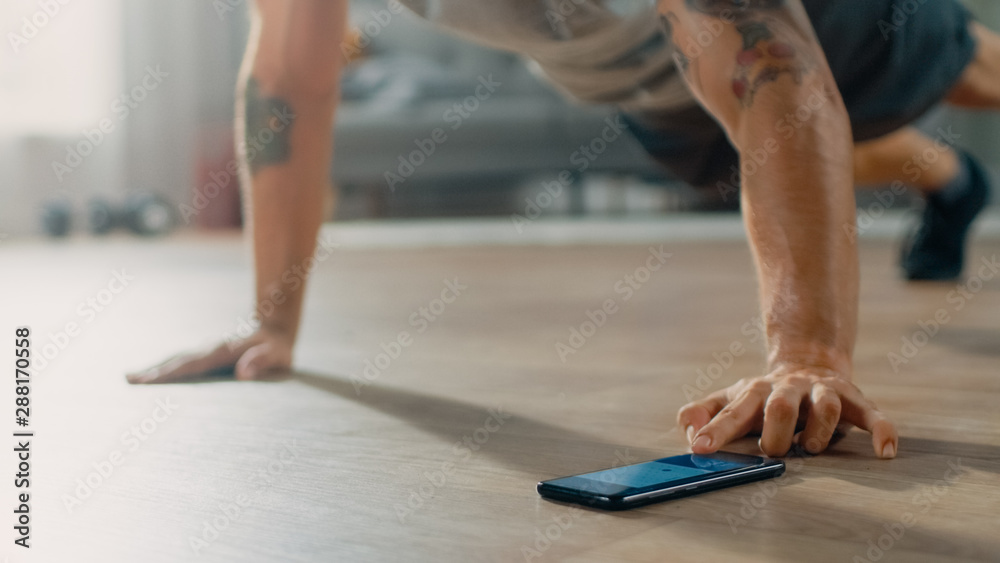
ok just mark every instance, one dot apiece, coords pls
pixel 790 358
pixel 279 332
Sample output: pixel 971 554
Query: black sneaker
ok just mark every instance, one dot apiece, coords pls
pixel 936 249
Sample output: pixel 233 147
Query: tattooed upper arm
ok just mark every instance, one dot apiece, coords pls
pixel 730 50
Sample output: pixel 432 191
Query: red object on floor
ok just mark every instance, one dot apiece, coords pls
pixel 214 199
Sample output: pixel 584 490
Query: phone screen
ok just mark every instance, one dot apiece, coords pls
pixel 660 472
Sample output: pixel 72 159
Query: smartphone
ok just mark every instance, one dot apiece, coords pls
pixel 631 486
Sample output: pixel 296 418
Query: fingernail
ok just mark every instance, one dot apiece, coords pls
pixel 690 433
pixel 702 442
pixel 889 450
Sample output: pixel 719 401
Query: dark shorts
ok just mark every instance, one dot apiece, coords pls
pixel 893 60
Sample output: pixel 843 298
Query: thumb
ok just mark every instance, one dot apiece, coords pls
pixel 259 360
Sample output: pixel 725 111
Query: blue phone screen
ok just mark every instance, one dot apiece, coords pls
pixel 660 472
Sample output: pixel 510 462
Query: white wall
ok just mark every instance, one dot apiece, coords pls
pixel 58 76
pixel 81 63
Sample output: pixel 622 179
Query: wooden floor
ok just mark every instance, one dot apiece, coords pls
pixel 320 467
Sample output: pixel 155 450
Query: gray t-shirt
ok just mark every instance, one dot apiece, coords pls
pixel 597 51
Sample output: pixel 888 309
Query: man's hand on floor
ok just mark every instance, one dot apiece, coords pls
pixel 776 405
pixel 255 357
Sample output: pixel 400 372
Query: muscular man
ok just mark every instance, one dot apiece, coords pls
pixel 806 97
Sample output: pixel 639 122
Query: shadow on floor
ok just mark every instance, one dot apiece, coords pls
pixel 537 447
pixel 518 442
pixel 542 450
pixel 935 459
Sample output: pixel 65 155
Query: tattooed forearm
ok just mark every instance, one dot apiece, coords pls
pixel 768 42
pixel 763 59
pixel 267 128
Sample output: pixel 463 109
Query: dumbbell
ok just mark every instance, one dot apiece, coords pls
pixel 102 216
pixel 57 217
pixel 148 214
pixel 142 213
